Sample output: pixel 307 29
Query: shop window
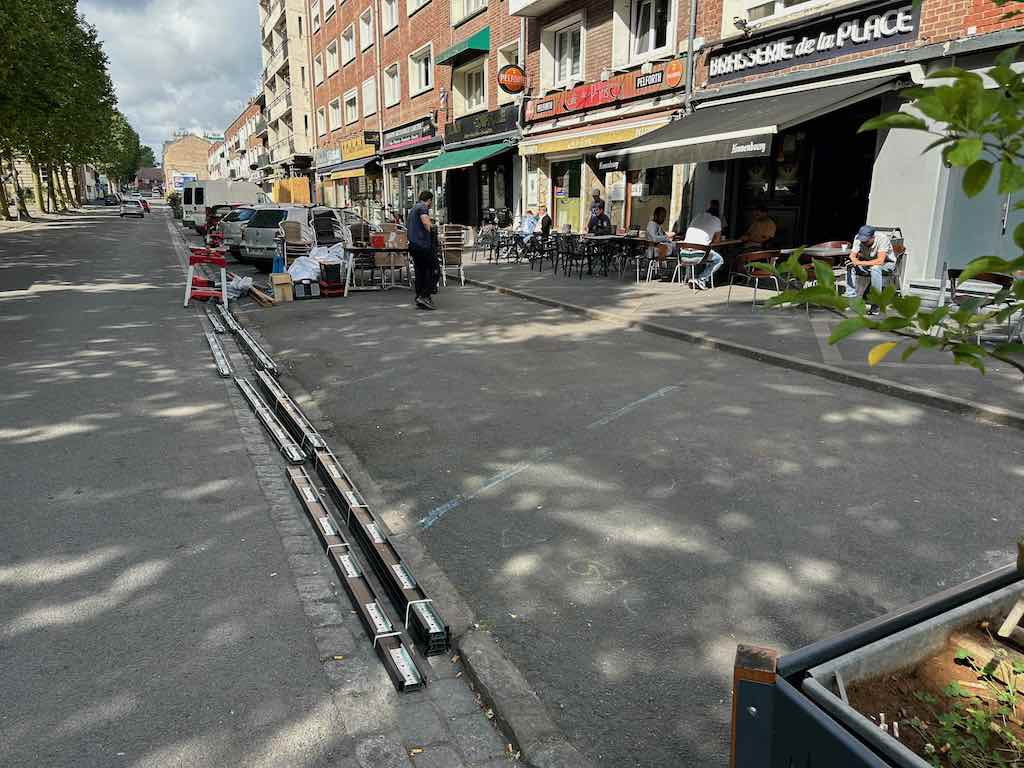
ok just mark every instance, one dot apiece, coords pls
pixel 759 9
pixel 318 69
pixel 469 84
pixel 332 58
pixel 351 107
pixel 335 111
pixel 651 28
pixel 370 97
pixel 392 86
pixel 508 54
pixel 348 44
pixel 421 70
pixel 390 11
pixel 366 29
pixel 463 9
pixel 315 10
pixel 658 181
pixel 562 52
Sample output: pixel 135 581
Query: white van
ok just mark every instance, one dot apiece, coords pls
pixel 199 197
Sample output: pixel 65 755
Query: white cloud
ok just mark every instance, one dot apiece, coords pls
pixel 179 65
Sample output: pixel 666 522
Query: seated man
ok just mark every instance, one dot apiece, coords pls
pixel 761 230
pixel 706 229
pixel 545 221
pixel 871 254
pixel 599 223
pixel 662 247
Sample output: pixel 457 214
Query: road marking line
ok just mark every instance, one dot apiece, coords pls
pixel 440 511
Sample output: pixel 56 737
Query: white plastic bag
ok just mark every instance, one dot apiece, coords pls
pixel 239 286
pixel 304 268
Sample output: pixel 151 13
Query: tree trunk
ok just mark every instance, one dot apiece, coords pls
pixel 5 205
pixel 51 190
pixel 37 179
pixel 76 188
pixel 72 201
pixel 19 190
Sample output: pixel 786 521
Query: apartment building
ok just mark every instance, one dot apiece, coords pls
pixel 284 27
pixel 217 161
pixel 245 143
pixel 185 158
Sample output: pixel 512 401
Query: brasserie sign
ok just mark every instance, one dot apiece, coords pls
pixel 836 35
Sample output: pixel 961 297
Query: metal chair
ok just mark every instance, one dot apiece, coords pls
pixel 689 257
pixel 1014 326
pixel 746 271
pixel 453 244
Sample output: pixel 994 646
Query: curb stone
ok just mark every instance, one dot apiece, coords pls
pixel 990 413
pixel 519 714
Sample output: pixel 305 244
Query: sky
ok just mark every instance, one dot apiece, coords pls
pixel 179 65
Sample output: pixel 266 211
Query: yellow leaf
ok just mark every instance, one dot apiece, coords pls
pixel 878 352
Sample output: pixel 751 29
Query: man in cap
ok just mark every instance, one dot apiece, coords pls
pixel 871 255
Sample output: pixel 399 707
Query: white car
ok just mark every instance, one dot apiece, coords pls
pixel 259 233
pixel 131 207
pixel 231 227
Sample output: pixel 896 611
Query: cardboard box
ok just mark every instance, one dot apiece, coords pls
pixel 282 285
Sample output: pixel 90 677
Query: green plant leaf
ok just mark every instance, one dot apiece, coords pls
pixel 964 152
pixel 894 120
pixel 1009 349
pixel 906 305
pixel 970 360
pixel 976 177
pixel 849 326
pixel 893 323
pixel 824 275
pixel 1011 177
pixel 908 352
pixel 1018 235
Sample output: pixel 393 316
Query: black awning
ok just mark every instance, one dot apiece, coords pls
pixel 729 130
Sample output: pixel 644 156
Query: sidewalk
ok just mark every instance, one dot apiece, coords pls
pixel 788 332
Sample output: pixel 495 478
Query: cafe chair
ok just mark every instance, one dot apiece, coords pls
pixel 751 275
pixel 1014 325
pixel 690 256
pixel 658 256
pixel 453 245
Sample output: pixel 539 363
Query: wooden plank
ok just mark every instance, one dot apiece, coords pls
pixel 1012 619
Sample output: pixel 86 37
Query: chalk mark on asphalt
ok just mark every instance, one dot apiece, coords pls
pixel 437 513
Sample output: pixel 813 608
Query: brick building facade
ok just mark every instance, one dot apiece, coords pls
pixel 185 158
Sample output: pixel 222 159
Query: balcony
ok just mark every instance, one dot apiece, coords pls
pixel 263 160
pixel 275 16
pixel 261 125
pixel 277 59
pixel 281 105
pixel 282 151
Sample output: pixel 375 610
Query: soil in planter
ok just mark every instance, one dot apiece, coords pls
pixel 896 695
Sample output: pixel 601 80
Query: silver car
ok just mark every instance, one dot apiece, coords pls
pixel 132 207
pixel 231 227
pixel 259 233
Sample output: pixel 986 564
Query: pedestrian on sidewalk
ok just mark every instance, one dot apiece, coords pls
pixel 418 227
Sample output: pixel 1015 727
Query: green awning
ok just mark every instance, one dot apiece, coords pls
pixel 461 158
pixel 478 42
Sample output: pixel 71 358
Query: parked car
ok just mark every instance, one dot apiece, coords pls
pixel 111 199
pixel 231 227
pixel 132 208
pixel 155 192
pixel 214 214
pixel 259 234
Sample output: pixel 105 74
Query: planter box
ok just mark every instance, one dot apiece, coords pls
pixel 789 712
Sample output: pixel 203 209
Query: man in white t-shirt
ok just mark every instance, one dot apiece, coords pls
pixel 705 229
pixel 871 255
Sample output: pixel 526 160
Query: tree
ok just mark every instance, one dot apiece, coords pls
pixel 982 131
pixel 146 157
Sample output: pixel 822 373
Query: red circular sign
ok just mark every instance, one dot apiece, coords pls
pixel 674 73
pixel 512 79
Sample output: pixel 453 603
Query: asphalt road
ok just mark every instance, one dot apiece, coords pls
pixel 623 509
pixel 146 614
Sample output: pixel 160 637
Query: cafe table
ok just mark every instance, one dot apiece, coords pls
pixel 606 247
pixel 396 260
pixel 821 252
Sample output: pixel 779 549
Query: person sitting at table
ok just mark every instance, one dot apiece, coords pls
pixel 599 223
pixel 706 229
pixel 761 230
pixel 662 248
pixel 715 209
pixel 528 227
pixel 871 255
pixel 545 221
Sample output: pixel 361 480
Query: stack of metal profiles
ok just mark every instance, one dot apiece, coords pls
pixel 215 322
pixel 289 448
pixel 290 414
pixel 417 610
pixel 260 358
pixel 223 366
pixel 388 642
pixel 228 318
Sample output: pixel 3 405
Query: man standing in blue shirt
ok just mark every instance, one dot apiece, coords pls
pixel 418 226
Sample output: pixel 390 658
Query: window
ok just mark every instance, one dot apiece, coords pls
pixel 351 107
pixel 332 58
pixel 318 69
pixel 328 9
pixel 315 11
pixel 392 86
pixel 321 121
pixel 300 26
pixel 463 9
pixel 468 83
pixel 568 55
pixel 186 196
pixel 348 44
pixel 267 218
pixel 507 55
pixel 651 28
pixel 370 97
pixel 411 6
pixel 302 76
pixel 421 70
pixel 760 9
pixel 335 107
pixel 390 15
pixel 198 196
pixel 366 29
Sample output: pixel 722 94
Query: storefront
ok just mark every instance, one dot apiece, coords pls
pixel 402 150
pixel 479 165
pixel 566 131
